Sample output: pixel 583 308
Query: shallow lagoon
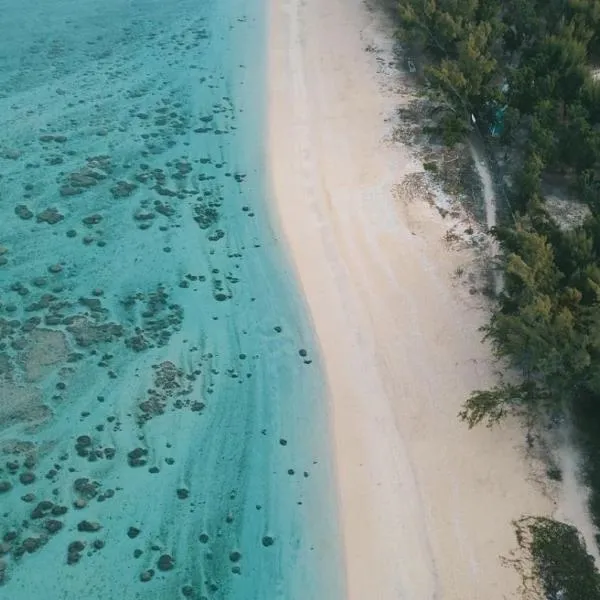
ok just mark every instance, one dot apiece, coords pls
pixel 163 429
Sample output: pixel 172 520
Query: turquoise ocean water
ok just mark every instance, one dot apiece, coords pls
pixel 163 427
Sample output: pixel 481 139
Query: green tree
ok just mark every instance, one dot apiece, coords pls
pixel 467 78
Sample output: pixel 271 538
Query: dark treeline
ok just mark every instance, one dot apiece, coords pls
pixel 532 60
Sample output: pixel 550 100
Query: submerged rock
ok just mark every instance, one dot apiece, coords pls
pixel 86 488
pixel 76 546
pixel 87 333
pixel 31 544
pixel 27 478
pixel 137 457
pixel 50 216
pixel 42 508
pixel 23 212
pixel 187 591
pixel 165 562
pixel 69 190
pixel 122 189
pixel 10 153
pixel 92 219
pixel 88 526
pixel 53 525
pixel 84 440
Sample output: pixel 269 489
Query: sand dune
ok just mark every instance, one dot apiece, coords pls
pixel 426 505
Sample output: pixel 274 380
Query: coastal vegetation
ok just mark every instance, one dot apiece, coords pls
pixel 553 562
pixel 525 72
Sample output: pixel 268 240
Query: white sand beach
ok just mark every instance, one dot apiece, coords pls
pixel 425 504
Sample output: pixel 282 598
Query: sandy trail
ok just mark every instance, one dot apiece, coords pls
pixel 425 505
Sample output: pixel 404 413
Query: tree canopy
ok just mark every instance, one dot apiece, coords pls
pixel 537 59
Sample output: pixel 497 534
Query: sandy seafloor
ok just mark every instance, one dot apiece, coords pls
pixel 163 429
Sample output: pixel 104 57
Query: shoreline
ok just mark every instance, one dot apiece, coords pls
pixel 418 519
